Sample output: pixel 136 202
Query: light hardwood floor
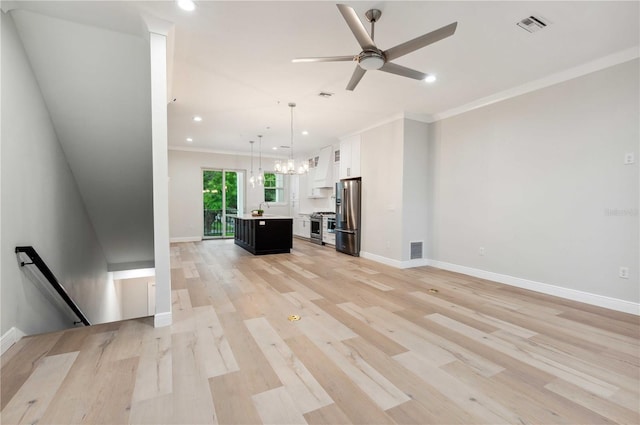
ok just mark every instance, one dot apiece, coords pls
pixel 375 345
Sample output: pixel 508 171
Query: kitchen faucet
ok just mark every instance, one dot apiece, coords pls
pixel 265 203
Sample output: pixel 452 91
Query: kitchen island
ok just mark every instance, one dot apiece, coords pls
pixel 267 234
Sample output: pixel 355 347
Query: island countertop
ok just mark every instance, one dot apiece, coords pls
pixel 264 217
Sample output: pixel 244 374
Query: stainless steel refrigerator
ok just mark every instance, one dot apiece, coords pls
pixel 348 216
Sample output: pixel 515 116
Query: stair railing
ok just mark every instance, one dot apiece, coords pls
pixel 37 261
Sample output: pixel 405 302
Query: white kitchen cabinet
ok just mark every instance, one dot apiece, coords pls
pixel 301 226
pixel 350 157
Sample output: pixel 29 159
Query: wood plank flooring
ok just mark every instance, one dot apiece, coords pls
pixel 375 345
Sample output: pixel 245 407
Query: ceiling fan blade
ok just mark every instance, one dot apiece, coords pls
pixel 403 71
pixel 358 73
pixel 355 24
pixel 326 59
pixel 420 42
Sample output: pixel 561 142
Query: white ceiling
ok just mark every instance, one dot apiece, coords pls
pixel 230 62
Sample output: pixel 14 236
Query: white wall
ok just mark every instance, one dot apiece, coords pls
pixel 414 187
pixel 381 161
pixel 307 205
pixel 161 236
pixel 185 190
pixel 135 297
pixel 41 206
pixel 533 180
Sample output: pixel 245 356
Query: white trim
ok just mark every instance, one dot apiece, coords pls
pixel 419 262
pixel 186 239
pixel 221 152
pixel 566 75
pixel 10 337
pixel 380 259
pixel 130 274
pixel 134 265
pixel 426 118
pixel 545 288
pixel 161 320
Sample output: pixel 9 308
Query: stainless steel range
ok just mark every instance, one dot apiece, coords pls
pixel 316 231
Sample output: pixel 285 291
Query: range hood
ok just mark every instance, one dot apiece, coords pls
pixel 323 173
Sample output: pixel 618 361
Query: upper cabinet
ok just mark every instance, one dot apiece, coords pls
pixel 350 157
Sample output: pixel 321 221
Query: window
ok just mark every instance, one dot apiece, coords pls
pixel 273 187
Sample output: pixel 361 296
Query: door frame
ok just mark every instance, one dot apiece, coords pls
pixel 241 174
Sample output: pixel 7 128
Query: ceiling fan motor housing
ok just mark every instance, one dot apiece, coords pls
pixel 371 60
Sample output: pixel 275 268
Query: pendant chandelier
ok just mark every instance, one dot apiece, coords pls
pixel 289 166
pixel 260 178
pixel 252 178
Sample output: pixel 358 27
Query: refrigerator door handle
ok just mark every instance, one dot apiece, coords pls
pixel 344 199
pixel 352 232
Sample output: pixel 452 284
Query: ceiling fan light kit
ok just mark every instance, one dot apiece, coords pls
pixel 372 58
pixel 370 61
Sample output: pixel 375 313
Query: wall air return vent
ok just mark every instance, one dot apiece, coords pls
pixel 416 250
pixel 533 23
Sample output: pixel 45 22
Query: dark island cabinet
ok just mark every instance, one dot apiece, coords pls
pixel 264 235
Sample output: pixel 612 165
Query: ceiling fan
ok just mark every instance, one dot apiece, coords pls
pixel 371 57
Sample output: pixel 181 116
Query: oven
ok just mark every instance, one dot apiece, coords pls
pixel 315 228
pixel 329 229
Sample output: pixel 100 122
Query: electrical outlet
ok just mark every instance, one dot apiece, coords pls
pixel 481 250
pixel 629 158
pixel 623 272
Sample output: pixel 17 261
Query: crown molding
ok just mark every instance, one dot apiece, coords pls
pixel 566 75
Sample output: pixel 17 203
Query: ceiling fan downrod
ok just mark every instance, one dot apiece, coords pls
pixel 373 15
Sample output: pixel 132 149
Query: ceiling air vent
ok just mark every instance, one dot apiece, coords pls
pixel 416 250
pixel 533 23
pixel 325 94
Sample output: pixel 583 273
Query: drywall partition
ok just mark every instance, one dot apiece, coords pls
pixel 42 206
pixel 162 258
pixel 414 191
pixel 185 189
pixel 394 192
pixel 381 156
pixel 534 191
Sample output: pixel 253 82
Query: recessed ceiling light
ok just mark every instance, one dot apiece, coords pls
pixel 275 148
pixel 430 78
pixel 189 140
pixel 197 118
pixel 187 5
pixel 305 132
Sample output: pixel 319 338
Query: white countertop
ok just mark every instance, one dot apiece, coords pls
pixel 264 217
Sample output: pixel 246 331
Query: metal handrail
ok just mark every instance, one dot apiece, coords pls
pixel 37 261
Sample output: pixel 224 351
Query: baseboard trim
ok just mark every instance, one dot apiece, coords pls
pixel 10 337
pixel 186 239
pixel 395 263
pixel 161 320
pixel 380 259
pixel 545 288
